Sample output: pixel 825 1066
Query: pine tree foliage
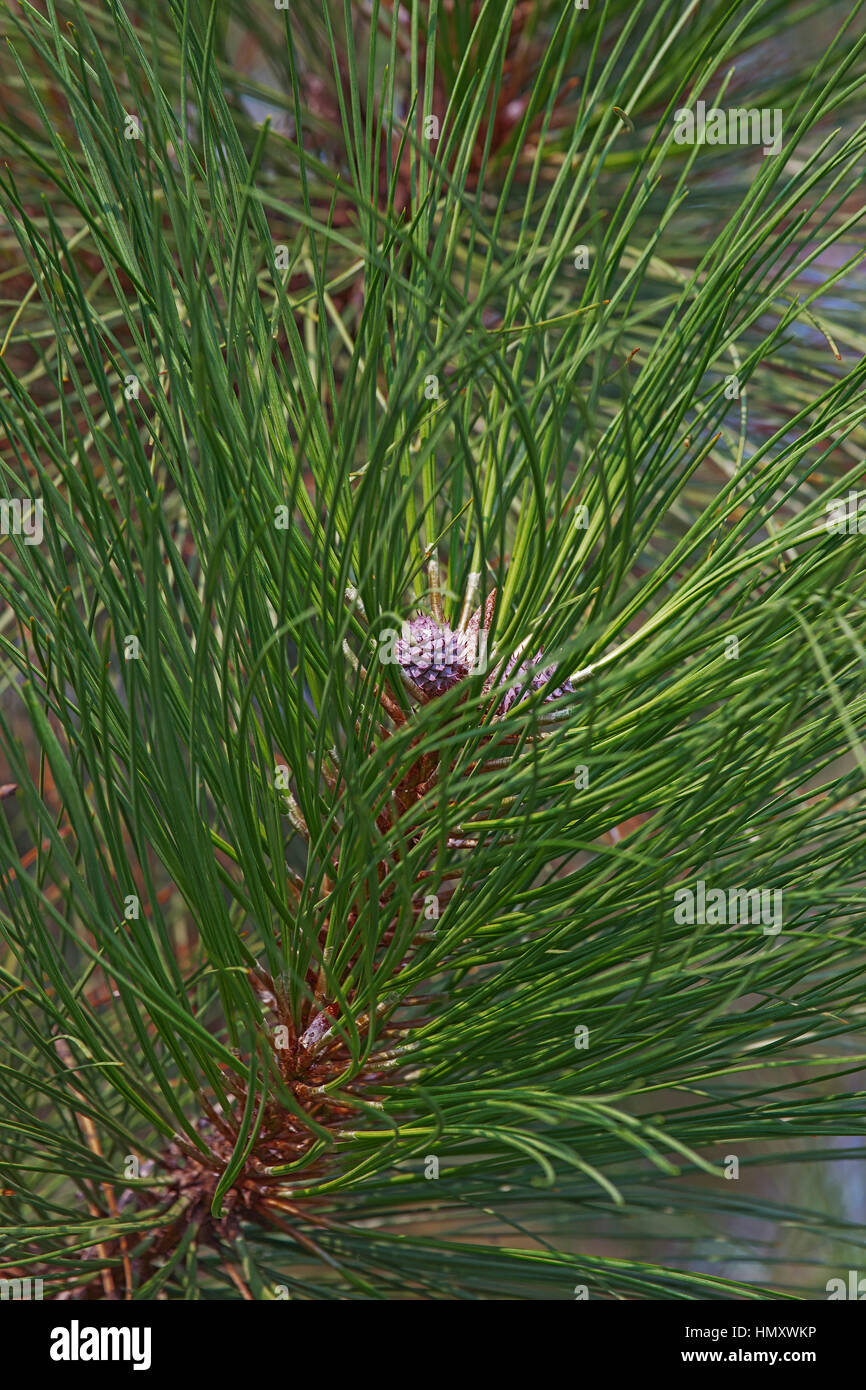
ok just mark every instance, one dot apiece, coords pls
pixel 335 969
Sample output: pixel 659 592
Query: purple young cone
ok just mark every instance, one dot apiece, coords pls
pixel 531 678
pixel 433 656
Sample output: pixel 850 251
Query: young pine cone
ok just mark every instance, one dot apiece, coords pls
pixel 433 656
pixel 530 676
